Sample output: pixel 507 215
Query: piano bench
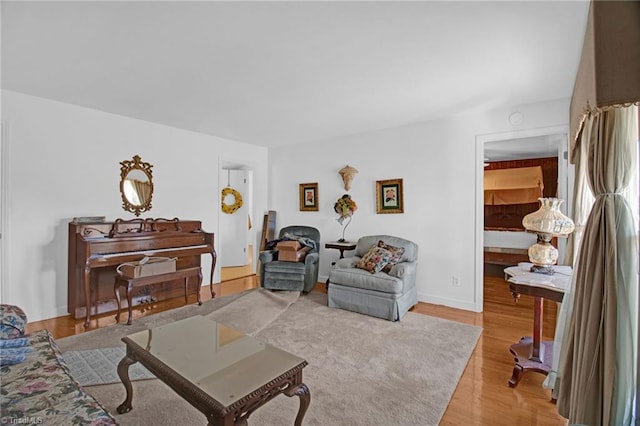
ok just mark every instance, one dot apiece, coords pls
pixel 131 283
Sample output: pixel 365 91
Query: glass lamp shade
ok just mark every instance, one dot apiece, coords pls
pixel 548 222
pixel 548 219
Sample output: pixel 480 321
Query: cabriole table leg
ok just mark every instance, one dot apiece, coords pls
pixel 123 373
pixel 302 391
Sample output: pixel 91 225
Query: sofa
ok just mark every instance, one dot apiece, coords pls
pixel 36 384
pixel 379 280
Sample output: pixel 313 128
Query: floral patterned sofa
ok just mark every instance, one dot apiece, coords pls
pixel 36 385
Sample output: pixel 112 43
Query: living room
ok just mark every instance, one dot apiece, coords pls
pixel 60 160
pixel 76 151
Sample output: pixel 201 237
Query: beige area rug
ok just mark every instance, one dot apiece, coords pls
pixel 98 366
pixel 362 370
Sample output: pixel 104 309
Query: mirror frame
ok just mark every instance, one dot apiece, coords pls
pixel 127 166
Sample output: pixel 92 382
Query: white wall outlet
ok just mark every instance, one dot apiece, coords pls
pixel 455 281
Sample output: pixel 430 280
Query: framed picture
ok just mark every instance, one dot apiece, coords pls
pixel 389 198
pixel 309 197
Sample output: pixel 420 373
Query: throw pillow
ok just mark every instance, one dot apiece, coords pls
pixel 396 255
pixel 14 356
pixel 18 342
pixel 13 321
pixel 374 260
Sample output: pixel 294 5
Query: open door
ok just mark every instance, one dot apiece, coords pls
pixel 234 219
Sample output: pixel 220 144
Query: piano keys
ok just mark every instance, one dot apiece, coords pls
pixel 96 249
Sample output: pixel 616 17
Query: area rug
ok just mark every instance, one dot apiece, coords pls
pixel 254 311
pixel 99 366
pixel 362 370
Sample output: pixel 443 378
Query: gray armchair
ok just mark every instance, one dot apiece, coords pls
pixel 293 276
pixel 388 295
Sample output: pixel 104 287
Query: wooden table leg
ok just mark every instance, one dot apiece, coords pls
pixel 302 391
pixel 130 301
pixel 517 374
pixel 186 289
pixel 531 353
pixel 538 303
pixel 116 290
pixel 198 287
pixel 123 373
pixel 214 256
pixel 87 293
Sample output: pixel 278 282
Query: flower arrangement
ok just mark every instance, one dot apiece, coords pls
pixel 345 207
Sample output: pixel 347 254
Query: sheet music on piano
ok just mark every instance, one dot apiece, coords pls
pixel 97 248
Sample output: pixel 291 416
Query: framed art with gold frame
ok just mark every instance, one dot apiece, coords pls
pixel 389 197
pixel 309 197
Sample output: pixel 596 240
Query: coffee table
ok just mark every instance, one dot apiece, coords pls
pixel 222 372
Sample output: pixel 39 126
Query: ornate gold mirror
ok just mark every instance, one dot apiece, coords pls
pixel 136 185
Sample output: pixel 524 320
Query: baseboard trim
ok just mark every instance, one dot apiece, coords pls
pixel 451 303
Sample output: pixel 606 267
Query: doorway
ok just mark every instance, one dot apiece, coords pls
pixel 541 142
pixel 236 230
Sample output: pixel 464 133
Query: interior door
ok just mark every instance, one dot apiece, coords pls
pixel 234 227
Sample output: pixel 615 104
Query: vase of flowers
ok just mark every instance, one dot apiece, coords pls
pixel 345 207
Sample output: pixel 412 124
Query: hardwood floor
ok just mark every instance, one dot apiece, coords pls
pixel 482 397
pixel 228 273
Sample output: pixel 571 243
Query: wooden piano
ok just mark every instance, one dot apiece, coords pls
pixel 97 248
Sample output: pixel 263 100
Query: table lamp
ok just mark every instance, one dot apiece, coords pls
pixel 547 222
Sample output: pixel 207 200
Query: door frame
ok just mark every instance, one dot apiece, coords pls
pixel 225 163
pixel 565 176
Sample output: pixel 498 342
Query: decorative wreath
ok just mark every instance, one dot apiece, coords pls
pixel 231 208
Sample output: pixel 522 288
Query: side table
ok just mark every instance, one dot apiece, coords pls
pixel 342 246
pixel 531 352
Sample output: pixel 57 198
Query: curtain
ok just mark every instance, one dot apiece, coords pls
pixel 582 202
pixel 143 191
pixel 599 357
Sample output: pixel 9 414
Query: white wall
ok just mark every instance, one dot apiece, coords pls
pixel 437 161
pixel 63 161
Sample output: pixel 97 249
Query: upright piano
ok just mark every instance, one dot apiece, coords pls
pixel 97 248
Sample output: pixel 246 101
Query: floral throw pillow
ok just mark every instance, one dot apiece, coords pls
pixel 396 255
pixel 13 321
pixel 374 260
pixel 12 356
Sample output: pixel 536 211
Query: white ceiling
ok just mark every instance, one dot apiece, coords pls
pixel 277 73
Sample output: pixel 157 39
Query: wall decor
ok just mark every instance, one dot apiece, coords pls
pixel 136 185
pixel 389 197
pixel 347 173
pixel 309 197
